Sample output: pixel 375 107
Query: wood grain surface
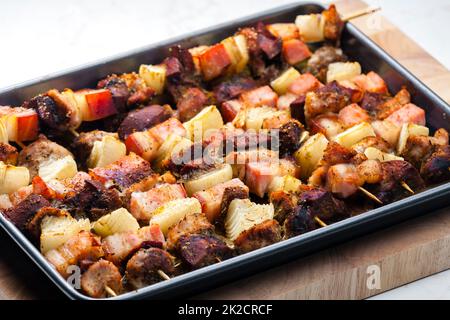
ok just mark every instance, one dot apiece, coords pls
pixel 403 253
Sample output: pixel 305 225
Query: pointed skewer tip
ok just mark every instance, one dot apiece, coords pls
pixel 407 188
pixel 320 222
pixel 110 291
pixel 360 13
pixel 370 195
pixel 163 275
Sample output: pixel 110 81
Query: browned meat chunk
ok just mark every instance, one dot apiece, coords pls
pixel 336 154
pixel 100 279
pixel 123 173
pixel 267 42
pixel 8 154
pixel 231 89
pixel 375 142
pixel 283 203
pixel 298 222
pixel 372 102
pixel 298 109
pixel 40 151
pixel 321 59
pixel 143 268
pixel 289 135
pixel 401 99
pixel 34 225
pixel 51 115
pixel 191 224
pixel 142 119
pixel 323 204
pixel 82 250
pixel 25 210
pixel 83 144
pixel 333 24
pixel 436 168
pixel 191 102
pixel 139 92
pixel 119 91
pixel 259 236
pixel 198 251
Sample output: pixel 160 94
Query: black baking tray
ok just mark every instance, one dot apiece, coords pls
pixel 357 47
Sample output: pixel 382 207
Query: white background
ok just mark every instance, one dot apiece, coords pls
pixel 41 37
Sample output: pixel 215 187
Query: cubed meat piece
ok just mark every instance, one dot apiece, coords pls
pixel 371 82
pixel 263 96
pixel 143 204
pixel 298 222
pixel 436 168
pixel 83 144
pixel 230 109
pixel 323 204
pixel 211 199
pixel 327 124
pixel 119 91
pixel 124 172
pixel 231 89
pixel 145 267
pixel 353 115
pixel 191 102
pixel 267 42
pixel 343 180
pixel 8 154
pixel 259 236
pixel 214 61
pixel 289 135
pixel 24 211
pixel 410 113
pixel 191 224
pixel 295 51
pixel 100 278
pixel 305 83
pixel 84 248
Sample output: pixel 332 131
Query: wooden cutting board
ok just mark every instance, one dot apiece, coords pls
pixel 355 270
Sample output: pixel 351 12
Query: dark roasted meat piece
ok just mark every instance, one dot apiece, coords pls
pixel 259 236
pixel 199 251
pixel 142 119
pixel 83 144
pixel 323 204
pixel 8 154
pixel 34 225
pixel 51 115
pixel 191 224
pixel 119 91
pixel 191 102
pixel 298 222
pixel 436 168
pixel 289 135
pixel 267 42
pixel 231 89
pixel 25 210
pixel 336 154
pixel 333 24
pixel 321 59
pixel 372 102
pixel 143 268
pixel 101 277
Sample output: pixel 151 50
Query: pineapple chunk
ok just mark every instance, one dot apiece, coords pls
pixel 118 221
pixel 287 184
pixel 310 154
pixel 311 27
pixel 209 180
pixel 234 53
pixel 282 83
pixel 58 230
pixel 154 76
pixel 204 123
pixel 106 151
pixel 3 132
pixel 340 71
pixel 376 154
pixel 173 145
pixel 243 215
pixel 410 130
pixel 254 118
pixel 354 135
pixel 58 169
pixel 241 43
pixel 172 212
pixel 13 178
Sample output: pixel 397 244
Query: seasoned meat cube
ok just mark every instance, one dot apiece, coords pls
pixel 407 114
pixel 118 247
pixel 298 222
pixel 321 59
pixel 142 119
pixel 231 89
pixel 436 168
pixel 394 173
pixel 352 115
pixel 336 154
pixel 82 249
pixel 322 204
pixel 8 154
pixel 343 180
pixel 24 211
pixel 283 203
pixel 375 142
pixel 417 149
pixel 39 152
pixel 143 268
pixel 119 91
pixel 297 108
pixel 290 134
pixel 51 115
pixel 333 24
pixel 213 199
pixel 190 224
pixel 199 251
pixel 267 42
pixel 372 102
pixel 259 236
pixel 99 278
pixel 139 92
pixel 83 144
pixel 191 102
pixel 87 196
pixel 390 106
pixel 259 97
pixel 124 172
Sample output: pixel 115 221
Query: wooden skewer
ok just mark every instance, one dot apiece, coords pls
pixel 110 291
pixel 360 13
pixel 218 259
pixel 177 265
pixel 320 222
pixel 21 144
pixel 370 195
pixel 406 187
pixel 76 134
pixel 163 275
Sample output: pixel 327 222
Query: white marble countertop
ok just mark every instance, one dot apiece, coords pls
pixel 41 37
